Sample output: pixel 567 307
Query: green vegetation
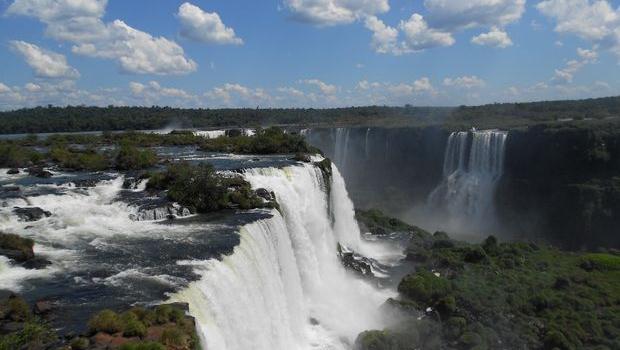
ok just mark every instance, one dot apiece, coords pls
pixel 266 141
pixel 78 160
pixel 14 156
pixel 489 295
pixel 129 157
pixel 16 247
pixel 79 118
pixel 203 190
pixel 377 223
pixel 32 332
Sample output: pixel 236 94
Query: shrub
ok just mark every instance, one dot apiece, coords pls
pixel 601 261
pixel 106 321
pixel 424 287
pixel 129 157
pixel 34 335
pixel 18 309
pixel 175 337
pixel 14 156
pixel 79 344
pixel 132 327
pixel 142 346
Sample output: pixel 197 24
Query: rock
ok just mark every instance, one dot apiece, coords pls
pixel 358 265
pixel 13 171
pixel 160 212
pixel 36 263
pixel 11 188
pixel 86 183
pixel 31 214
pixel 264 194
pixel 39 172
pixel 15 247
pixel 43 307
pixel 10 327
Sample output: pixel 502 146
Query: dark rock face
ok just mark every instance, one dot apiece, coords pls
pixel 392 169
pixel 13 171
pixel 160 211
pixel 562 185
pixel 31 214
pixel 39 172
pixel 266 195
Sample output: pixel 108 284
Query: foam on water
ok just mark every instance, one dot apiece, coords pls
pixel 284 287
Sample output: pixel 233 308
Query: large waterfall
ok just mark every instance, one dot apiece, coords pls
pixel 284 286
pixel 473 164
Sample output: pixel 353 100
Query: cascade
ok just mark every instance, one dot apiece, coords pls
pixel 473 164
pixel 284 286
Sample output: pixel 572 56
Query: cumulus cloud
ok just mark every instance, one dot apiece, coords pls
pixel 566 74
pixel 46 64
pixel 494 38
pixel 79 22
pixel 459 14
pixel 153 90
pixel 237 95
pixel 205 27
pixel 467 82
pixel 419 36
pixel 593 20
pixel 137 51
pixel 325 88
pixel 335 12
pixel 4 89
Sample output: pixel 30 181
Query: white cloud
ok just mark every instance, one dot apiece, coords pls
pixel 467 82
pixel 31 87
pixel 459 14
pixel 418 35
pixel 494 38
pixel 335 12
pixel 566 74
pixel 237 95
pixel 79 22
pixel 153 91
pixel 46 64
pixel 366 85
pixel 4 89
pixel 325 88
pixel 138 52
pixel 593 20
pixel 291 92
pixel 384 38
pixel 205 27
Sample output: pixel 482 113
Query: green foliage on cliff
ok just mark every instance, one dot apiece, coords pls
pixel 266 141
pixel 203 189
pixel 130 157
pixel 377 223
pixel 497 295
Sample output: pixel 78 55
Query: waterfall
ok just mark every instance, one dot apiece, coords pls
pixel 341 148
pixel 473 164
pixel 284 287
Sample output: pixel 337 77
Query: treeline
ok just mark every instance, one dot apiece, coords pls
pixel 80 118
pixel 507 115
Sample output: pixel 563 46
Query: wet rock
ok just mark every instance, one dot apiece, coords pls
pixel 39 172
pixel 266 195
pixel 154 212
pixel 36 263
pixel 43 307
pixel 357 264
pixel 86 183
pixel 15 247
pixel 31 214
pixel 13 171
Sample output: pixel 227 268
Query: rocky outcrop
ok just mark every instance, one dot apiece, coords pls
pixel 160 211
pixel 31 214
pixel 15 247
pixel 39 172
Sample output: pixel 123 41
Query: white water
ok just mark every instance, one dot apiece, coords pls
pixel 473 165
pixel 285 273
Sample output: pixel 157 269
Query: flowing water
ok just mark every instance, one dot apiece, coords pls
pixel 262 279
pixel 284 287
pixel 473 164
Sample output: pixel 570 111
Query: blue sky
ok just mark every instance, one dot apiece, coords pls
pixel 306 53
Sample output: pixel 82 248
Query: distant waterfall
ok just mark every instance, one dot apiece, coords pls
pixel 341 147
pixel 284 288
pixel 473 164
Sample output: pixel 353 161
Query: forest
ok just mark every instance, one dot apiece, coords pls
pixel 505 115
